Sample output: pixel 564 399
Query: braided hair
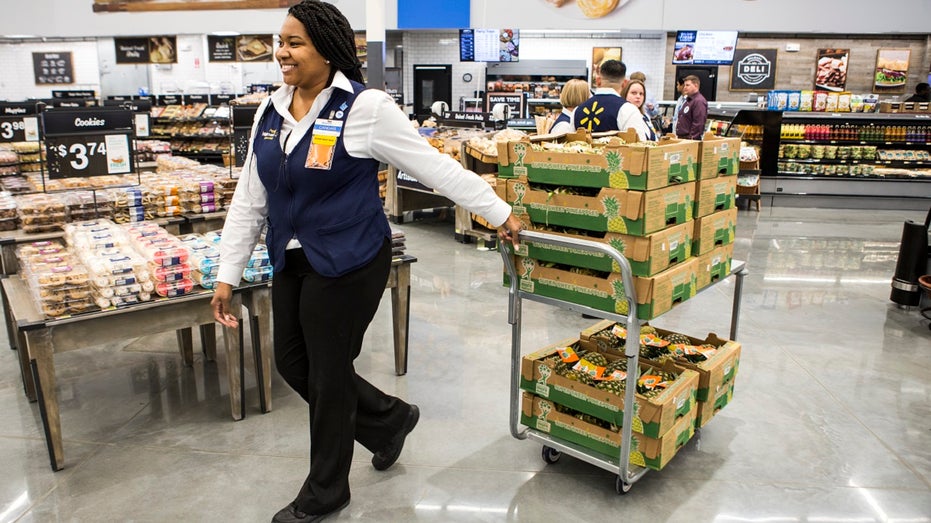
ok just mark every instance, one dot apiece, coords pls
pixel 331 34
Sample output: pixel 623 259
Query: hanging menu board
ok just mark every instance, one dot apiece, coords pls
pixel 132 50
pixel 90 142
pixel 53 68
pixel 18 122
pixel 704 47
pixel 221 48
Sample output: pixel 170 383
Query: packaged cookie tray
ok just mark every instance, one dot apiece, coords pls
pixel 116 267
pixel 124 290
pixel 9 224
pixel 56 309
pixel 120 300
pixel 8 157
pixel 133 214
pixel 41 228
pixel 205 280
pixel 48 218
pixel 40 248
pixel 174 288
pixel 67 273
pixel 170 273
pixel 257 274
pixel 10 170
pixel 163 254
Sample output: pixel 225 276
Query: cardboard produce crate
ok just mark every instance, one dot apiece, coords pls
pixel 715 265
pixel 620 165
pixel 655 294
pixel 623 211
pixel 654 453
pixel 714 195
pixel 714 230
pixel 720 156
pixel 715 375
pixel 653 417
pixel 648 255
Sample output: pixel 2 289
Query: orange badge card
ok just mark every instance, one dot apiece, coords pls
pixel 323 144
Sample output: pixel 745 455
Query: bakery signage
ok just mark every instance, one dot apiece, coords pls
pixel 754 69
pixel 53 68
pixel 88 143
pixel 18 122
pixel 466 119
pixel 131 50
pixel 221 48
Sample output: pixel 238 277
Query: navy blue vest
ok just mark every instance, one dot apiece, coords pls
pixel 336 214
pixel 599 113
pixel 563 117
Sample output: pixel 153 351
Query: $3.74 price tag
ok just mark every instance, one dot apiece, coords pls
pixel 81 156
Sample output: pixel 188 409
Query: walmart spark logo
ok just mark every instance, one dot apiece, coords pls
pixel 591 116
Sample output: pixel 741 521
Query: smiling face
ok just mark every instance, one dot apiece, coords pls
pixel 301 65
pixel 635 94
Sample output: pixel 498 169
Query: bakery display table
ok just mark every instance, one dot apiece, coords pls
pixel 39 339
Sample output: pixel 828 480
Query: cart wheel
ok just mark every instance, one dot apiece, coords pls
pixel 550 455
pixel 621 486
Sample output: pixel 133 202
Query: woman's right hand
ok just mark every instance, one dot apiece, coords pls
pixel 222 295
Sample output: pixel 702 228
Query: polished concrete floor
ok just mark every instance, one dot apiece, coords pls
pixel 830 421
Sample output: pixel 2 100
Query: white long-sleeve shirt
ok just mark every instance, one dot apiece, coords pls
pixel 374 128
pixel 628 116
pixel 564 127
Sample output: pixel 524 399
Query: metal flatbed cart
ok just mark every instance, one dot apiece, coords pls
pixel 554 446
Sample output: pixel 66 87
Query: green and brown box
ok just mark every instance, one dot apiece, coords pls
pixel 708 409
pixel 715 265
pixel 623 211
pixel 714 195
pixel 655 294
pixel 648 255
pixel 719 156
pixel 713 231
pixel 623 163
pixel 716 375
pixel 654 453
pixel 653 417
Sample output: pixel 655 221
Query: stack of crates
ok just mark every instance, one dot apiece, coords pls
pixel 640 198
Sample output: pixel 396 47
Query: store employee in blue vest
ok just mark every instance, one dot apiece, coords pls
pixel 311 178
pixel 607 110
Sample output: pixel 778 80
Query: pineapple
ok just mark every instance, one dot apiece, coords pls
pixel 612 386
pixel 616 176
pixel 648 329
pixel 597 359
pixel 618 245
pixel 613 213
pixel 675 338
pixel 620 299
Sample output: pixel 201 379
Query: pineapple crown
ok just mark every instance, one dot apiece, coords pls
pixel 614 161
pixel 612 208
pixel 618 287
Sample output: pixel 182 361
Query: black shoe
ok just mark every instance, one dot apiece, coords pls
pixel 386 457
pixel 291 514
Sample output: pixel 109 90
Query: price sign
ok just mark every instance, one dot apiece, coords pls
pixel 88 143
pixel 80 156
pixel 18 122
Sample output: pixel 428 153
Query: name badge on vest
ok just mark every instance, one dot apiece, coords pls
pixel 323 144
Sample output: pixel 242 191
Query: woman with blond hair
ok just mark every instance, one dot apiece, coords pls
pixel 573 93
pixel 636 93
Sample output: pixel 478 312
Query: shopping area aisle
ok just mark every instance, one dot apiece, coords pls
pixel 830 421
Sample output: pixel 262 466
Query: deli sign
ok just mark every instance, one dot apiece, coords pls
pixel 753 69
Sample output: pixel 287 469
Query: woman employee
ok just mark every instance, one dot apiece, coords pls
pixel 311 178
pixel 573 93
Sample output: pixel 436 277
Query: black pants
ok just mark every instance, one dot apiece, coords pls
pixel 319 326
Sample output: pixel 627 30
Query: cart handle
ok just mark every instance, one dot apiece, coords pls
pixel 630 291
